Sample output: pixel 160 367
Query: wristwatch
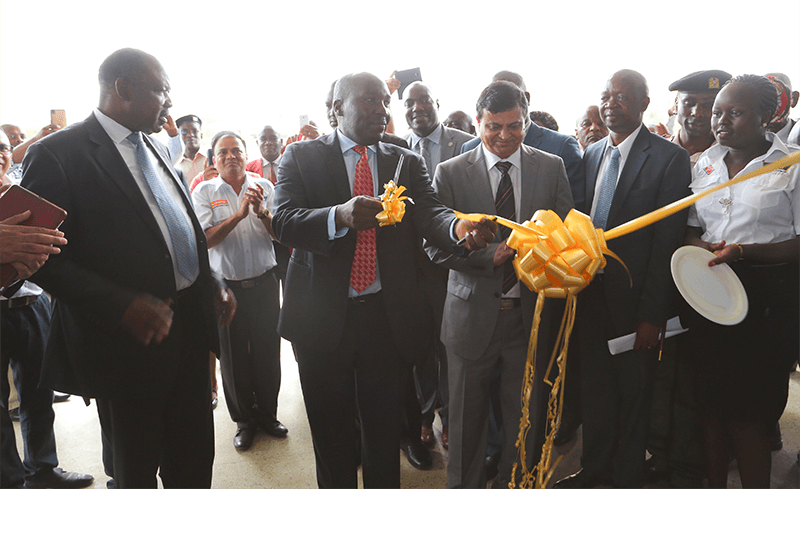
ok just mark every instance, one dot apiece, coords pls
pixel 263 214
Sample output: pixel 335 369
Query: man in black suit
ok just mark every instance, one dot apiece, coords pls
pixel 630 173
pixel 135 299
pixel 354 300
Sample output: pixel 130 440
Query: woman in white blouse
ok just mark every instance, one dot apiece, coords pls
pixel 743 370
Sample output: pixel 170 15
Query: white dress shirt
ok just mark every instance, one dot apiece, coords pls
pixel 119 133
pixel 515 173
pixel 762 210
pixel 624 149
pixel 435 146
pixel 246 252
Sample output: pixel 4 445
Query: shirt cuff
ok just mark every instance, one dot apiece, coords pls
pixel 332 233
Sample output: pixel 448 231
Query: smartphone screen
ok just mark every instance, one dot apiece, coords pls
pixel 58 118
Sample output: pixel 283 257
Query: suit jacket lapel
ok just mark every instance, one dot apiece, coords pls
pixel 331 155
pixel 593 158
pixel 117 170
pixel 530 192
pixel 447 144
pixel 630 172
pixel 477 182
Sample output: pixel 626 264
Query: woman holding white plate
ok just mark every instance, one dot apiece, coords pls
pixel 753 227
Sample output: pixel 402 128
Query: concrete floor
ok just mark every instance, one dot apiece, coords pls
pixel 289 463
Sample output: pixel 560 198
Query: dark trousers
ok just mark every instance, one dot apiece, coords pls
pixel 616 395
pixel 361 376
pixel 23 333
pixel 169 433
pixel 430 373
pixel 250 357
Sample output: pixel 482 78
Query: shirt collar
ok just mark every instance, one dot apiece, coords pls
pixel 346 143
pixel 492 159
pixel 776 151
pixel 435 136
pixel 626 145
pixel 114 129
pixel 264 162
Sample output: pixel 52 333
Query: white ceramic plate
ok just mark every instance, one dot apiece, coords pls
pixel 714 292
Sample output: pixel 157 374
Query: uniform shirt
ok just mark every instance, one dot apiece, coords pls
pixel 192 167
pixel 246 252
pixel 762 210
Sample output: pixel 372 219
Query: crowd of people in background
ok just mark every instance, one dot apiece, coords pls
pixel 225 253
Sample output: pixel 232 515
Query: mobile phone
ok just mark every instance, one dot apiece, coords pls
pixel 303 120
pixel 58 118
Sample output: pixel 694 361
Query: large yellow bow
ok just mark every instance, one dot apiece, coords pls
pixel 559 259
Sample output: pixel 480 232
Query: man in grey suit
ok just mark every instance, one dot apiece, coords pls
pixel 552 142
pixel 628 174
pixel 436 143
pixel 488 313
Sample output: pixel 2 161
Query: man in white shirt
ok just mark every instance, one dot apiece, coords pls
pixel 233 210
pixel 192 162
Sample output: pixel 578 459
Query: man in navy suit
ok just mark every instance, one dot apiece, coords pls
pixel 630 173
pixel 135 314
pixel 354 301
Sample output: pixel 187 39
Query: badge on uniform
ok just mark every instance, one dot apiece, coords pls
pixel 709 169
pixel 713 83
pixel 218 203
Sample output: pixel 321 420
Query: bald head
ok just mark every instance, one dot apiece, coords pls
pixel 422 109
pixel 134 90
pixel 361 106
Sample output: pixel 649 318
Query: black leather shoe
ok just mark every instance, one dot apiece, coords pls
pixel 565 433
pixel 59 397
pixel 581 480
pixel 275 428
pixel 418 455
pixel 490 465
pixel 655 470
pixel 57 478
pixel 244 438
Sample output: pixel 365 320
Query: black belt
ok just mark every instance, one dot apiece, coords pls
pixel 249 283
pixel 367 298
pixel 509 303
pixel 21 301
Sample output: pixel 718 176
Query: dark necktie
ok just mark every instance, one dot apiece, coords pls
pixel 271 176
pixel 505 206
pixel 180 230
pixel 363 273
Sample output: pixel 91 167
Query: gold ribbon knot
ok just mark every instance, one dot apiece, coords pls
pixel 393 204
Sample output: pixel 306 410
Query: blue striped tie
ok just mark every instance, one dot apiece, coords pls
pixel 180 231
pixel 607 191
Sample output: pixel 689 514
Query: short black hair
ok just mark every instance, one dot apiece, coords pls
pixel 501 96
pixel 767 95
pixel 226 133
pixel 545 119
pixel 124 63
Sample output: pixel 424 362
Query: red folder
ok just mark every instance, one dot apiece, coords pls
pixel 44 214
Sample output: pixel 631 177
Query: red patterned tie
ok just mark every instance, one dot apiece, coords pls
pixel 363 273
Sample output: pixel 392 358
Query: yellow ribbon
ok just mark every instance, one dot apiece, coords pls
pixel 393 206
pixel 559 259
